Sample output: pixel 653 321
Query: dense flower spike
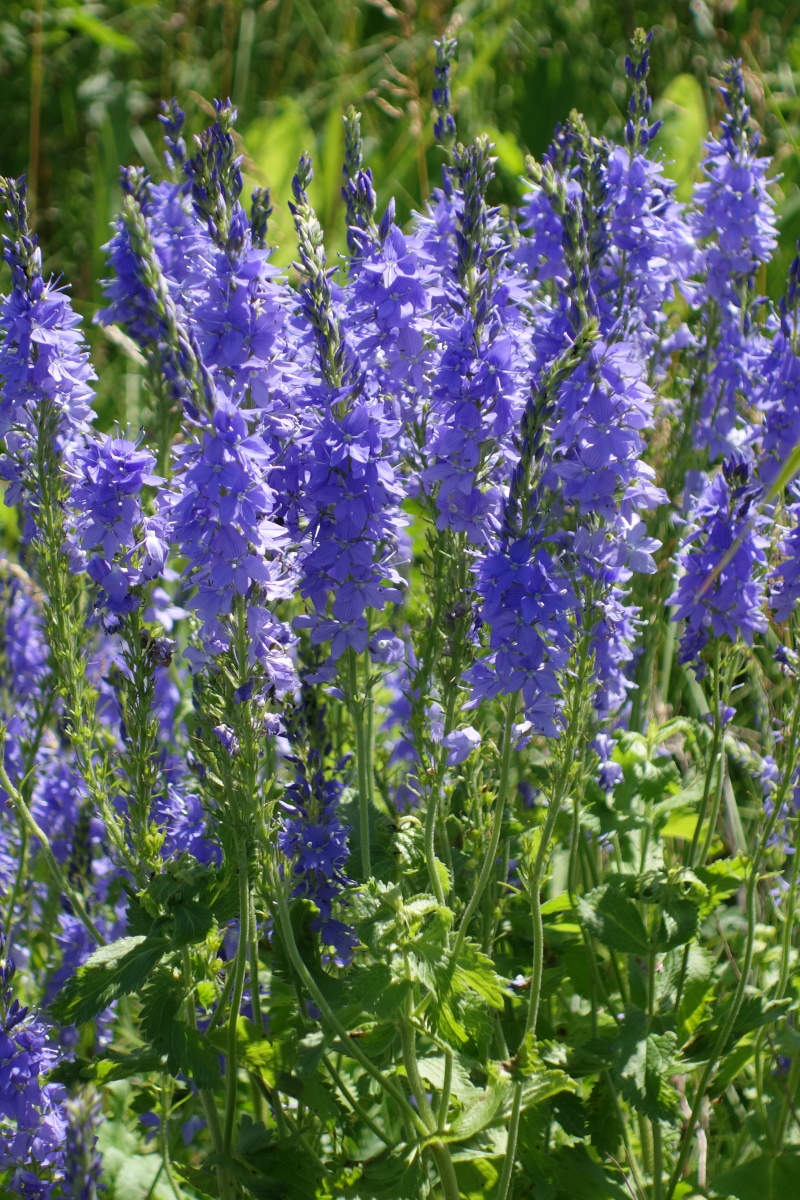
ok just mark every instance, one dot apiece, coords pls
pixel 528 599
pixel 476 395
pixel 32 1118
pixel 734 212
pixel 444 127
pixel 219 516
pixel 353 489
pixel 720 590
pixel 358 192
pixel 112 540
pixel 734 223
pixel 785 592
pixel 82 1163
pixel 45 374
pixel 314 841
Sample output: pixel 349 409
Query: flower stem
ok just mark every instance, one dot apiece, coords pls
pixel 494 840
pixel 744 970
pixel 504 1186
pixel 329 1016
pixel 224 1182
pixel 363 764
pixel 33 828
pixel 232 1071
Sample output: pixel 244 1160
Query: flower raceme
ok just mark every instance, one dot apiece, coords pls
pixel 378 512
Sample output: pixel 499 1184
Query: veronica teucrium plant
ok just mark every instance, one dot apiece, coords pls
pixel 400 730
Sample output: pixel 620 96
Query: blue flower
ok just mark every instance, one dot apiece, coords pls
pixel 111 538
pixel 314 842
pixel 722 563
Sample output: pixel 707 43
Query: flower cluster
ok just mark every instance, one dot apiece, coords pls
pixel 374 513
pixel 45 373
pixel 722 563
pixel 314 842
pixel 112 540
pixel 32 1118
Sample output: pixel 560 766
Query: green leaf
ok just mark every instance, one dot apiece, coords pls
pixel 432 1070
pixel 478 1179
pixel 269 1057
pixel 376 991
pixel 476 971
pixel 112 971
pixel 677 924
pixel 643 1063
pixel 192 922
pixel 605 1132
pixel 614 919
pixel 178 1046
pixel 755 1012
pixel 543 1085
pixel 763 1178
pixel 396 1175
pixel 272 1170
pixel 99 31
pixel 697 992
pixel 203 1181
pixel 484 1112
pixel 578 1177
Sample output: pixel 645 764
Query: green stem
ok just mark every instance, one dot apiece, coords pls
pixel 716 742
pixel 329 1016
pixel 33 828
pixel 408 1040
pixel 166 1097
pixel 658 1162
pixel 738 997
pixel 783 978
pixel 447 1083
pixel 488 864
pixel 255 986
pixel 240 964
pixel 440 1150
pixel 224 1182
pixel 357 1108
pixel 431 813
pixel 504 1186
pixel 222 1003
pixel 362 755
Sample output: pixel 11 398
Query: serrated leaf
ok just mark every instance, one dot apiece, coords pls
pixel 480 1114
pixel 192 923
pixel 476 971
pixel 204 1182
pixel 432 1069
pixel 577 1176
pixel 615 920
pixel 697 993
pixel 376 991
pixel 644 1062
pixel 179 1047
pixel 605 1132
pixel 276 1170
pixel 763 1178
pixel 543 1085
pixel 396 1175
pixel 112 971
pixel 269 1057
pixel 677 924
